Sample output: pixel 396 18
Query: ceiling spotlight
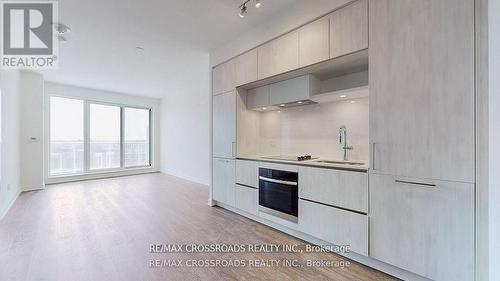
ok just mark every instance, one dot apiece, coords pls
pixel 343 96
pixel 243 10
pixel 282 105
pixel 61 39
pixel 258 4
pixel 300 102
pixel 352 101
pixel 264 108
pixel 61 28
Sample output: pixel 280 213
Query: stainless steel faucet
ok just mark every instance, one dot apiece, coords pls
pixel 343 141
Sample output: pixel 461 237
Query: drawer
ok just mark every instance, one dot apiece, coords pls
pixel 247 199
pixel 333 225
pixel 247 173
pixel 344 189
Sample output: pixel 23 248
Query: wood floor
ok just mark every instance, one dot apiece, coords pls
pixel 103 229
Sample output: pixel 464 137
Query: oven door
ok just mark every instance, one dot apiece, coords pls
pixel 278 193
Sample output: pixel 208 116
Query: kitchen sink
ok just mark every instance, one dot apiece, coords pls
pixel 340 162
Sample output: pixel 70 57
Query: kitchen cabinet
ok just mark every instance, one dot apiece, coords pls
pixel 337 188
pixel 333 225
pixel 246 67
pixel 314 42
pixel 223 181
pixel 279 55
pixel 224 125
pixel 247 199
pixel 292 90
pixel 349 29
pixel 421 73
pixel 247 173
pixel 223 78
pixel 258 97
pixel 423 226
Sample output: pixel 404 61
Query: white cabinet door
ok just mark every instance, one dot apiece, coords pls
pixel 337 188
pixel 314 42
pixel 247 173
pixel 422 88
pixel 258 97
pixel 333 225
pixel 223 181
pixel 349 29
pixel 279 55
pixel 223 78
pixel 224 125
pixel 247 199
pixel 425 228
pixel 246 67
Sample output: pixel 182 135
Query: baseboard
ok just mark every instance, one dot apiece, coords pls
pixel 7 208
pixel 368 261
pixel 33 188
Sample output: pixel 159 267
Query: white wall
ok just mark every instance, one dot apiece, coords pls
pixel 9 148
pixel 31 126
pixel 290 18
pixel 494 137
pixel 185 123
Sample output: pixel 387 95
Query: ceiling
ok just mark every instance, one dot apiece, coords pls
pixel 176 37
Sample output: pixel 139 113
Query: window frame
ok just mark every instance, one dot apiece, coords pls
pixel 86 138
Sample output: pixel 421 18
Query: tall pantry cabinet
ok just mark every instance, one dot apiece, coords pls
pixel 421 72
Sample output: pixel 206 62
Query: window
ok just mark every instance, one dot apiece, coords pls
pixel 66 136
pixel 104 136
pixel 87 136
pixel 136 137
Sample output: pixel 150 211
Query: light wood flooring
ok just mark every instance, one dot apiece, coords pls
pixel 103 229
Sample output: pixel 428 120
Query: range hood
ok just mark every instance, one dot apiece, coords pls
pixel 289 93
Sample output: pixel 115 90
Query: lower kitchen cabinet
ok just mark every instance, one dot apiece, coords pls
pixel 247 173
pixel 345 189
pixel 223 181
pixel 333 225
pixel 423 226
pixel 247 199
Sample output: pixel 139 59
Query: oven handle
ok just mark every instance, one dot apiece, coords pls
pixel 278 181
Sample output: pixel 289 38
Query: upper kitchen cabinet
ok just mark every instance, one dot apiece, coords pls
pixel 224 125
pixel 246 67
pixel 349 29
pixel 314 42
pixel 279 55
pixel 421 73
pixel 224 77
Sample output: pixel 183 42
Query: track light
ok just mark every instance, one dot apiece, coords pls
pixel 243 10
pixel 243 7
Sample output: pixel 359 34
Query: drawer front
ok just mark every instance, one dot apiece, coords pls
pixel 338 188
pixel 336 226
pixel 247 199
pixel 423 226
pixel 247 173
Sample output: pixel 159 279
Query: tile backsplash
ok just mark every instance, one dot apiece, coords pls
pixel 314 129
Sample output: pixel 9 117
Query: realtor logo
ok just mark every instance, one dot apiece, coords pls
pixel 28 40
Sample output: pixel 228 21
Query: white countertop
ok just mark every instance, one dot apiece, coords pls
pixel 311 163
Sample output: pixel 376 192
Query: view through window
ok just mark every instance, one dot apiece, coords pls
pixel 116 136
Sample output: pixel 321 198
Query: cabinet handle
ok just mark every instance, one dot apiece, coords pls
pixel 373 156
pixel 416 183
pixel 233 149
